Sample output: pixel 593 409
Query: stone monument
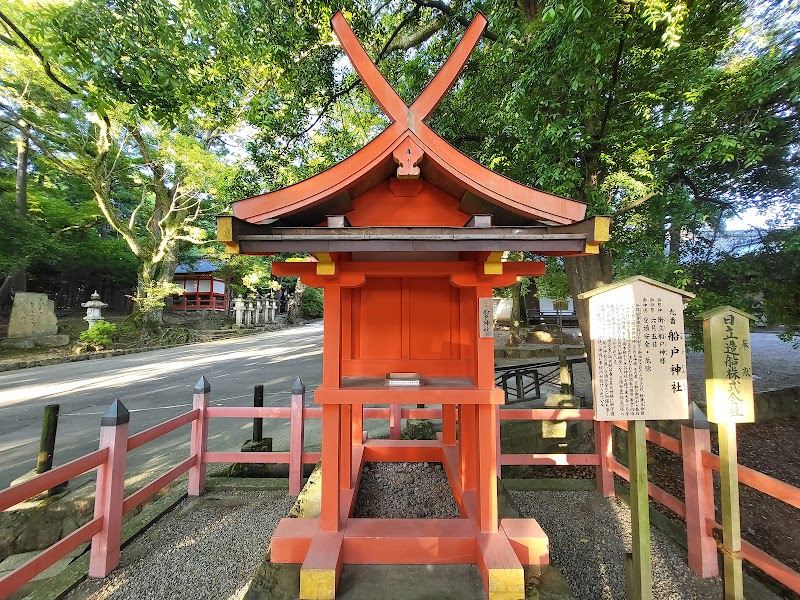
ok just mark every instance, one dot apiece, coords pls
pixel 33 321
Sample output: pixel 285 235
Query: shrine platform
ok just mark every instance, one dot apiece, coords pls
pixel 499 555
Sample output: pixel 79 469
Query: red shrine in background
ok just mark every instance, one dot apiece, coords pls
pixel 409 234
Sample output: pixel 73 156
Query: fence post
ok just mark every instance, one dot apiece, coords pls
pixel 395 419
pixel 564 374
pixel 110 490
pixel 258 422
pixel 199 441
pixel 296 437
pixel 605 450
pixel 698 493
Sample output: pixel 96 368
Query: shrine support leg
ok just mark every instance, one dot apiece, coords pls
pixel 345 447
pixel 358 424
pixel 322 567
pixel 449 424
pixel 487 468
pixel 467 452
pixel 329 512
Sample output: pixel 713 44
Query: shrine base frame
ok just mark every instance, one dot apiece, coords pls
pixel 498 547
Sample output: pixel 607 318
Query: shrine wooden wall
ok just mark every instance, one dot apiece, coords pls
pixel 410 323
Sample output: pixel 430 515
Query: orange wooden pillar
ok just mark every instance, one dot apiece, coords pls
pixel 345 447
pixel 449 424
pixel 487 468
pixel 331 413
pixel 467 444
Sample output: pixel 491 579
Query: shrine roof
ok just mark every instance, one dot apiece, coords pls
pixel 408 149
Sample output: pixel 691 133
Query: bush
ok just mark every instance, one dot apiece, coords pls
pixel 99 335
pixel 311 303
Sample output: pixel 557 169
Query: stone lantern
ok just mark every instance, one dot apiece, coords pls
pixel 93 309
pixel 249 314
pixel 258 306
pixel 239 308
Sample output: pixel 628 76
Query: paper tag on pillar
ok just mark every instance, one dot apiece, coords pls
pixel 486 317
pixel 729 372
pixel 638 351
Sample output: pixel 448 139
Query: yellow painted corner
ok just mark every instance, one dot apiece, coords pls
pixel 231 248
pixel 317 584
pixel 493 264
pixel 506 584
pixel 591 249
pixel 326 268
pixel 325 264
pixel 602 228
pixel 225 229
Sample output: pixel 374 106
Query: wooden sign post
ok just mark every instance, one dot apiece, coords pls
pixel 638 373
pixel 729 396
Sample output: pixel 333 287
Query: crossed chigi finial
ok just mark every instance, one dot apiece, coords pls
pixel 408 154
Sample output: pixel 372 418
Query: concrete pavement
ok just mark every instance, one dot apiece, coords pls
pixel 156 386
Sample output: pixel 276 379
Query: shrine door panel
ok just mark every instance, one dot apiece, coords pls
pixel 433 319
pixel 379 325
pixel 404 324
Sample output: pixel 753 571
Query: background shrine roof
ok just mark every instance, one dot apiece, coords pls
pixel 479 190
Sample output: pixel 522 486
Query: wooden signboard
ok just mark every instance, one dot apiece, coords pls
pixel 638 351
pixel 729 372
pixel 638 373
pixel 485 317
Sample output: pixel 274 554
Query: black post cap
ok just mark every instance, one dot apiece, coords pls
pixel 298 388
pixel 202 386
pixel 116 415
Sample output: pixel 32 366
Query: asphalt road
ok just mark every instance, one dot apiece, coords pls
pixel 156 386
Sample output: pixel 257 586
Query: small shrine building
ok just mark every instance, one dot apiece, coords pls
pixel 202 288
pixel 408 235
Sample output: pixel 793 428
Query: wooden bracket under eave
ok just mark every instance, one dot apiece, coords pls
pixel 597 230
pixel 230 228
pixel 493 264
pixel 325 264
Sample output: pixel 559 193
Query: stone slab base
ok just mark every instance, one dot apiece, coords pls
pixel 406 582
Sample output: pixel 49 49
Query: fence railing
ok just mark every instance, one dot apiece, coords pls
pixel 524 382
pixel 698 511
pixel 104 530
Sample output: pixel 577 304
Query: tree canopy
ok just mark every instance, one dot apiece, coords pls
pixel 671 116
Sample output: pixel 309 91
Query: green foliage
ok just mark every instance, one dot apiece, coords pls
pixel 159 113
pixel 553 284
pixel 154 296
pixel 311 303
pixel 99 335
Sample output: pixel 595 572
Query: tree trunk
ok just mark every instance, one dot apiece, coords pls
pixel 674 241
pixel 5 295
pixel 18 278
pixel 585 273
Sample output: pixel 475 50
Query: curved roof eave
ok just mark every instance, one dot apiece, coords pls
pixel 465 172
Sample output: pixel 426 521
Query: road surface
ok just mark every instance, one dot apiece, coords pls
pixel 156 386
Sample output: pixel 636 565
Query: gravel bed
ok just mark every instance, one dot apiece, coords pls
pixel 588 538
pixel 405 491
pixel 207 548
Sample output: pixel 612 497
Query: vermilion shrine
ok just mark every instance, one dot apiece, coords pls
pixel 409 234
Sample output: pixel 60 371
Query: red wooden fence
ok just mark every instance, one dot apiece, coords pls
pixel 110 506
